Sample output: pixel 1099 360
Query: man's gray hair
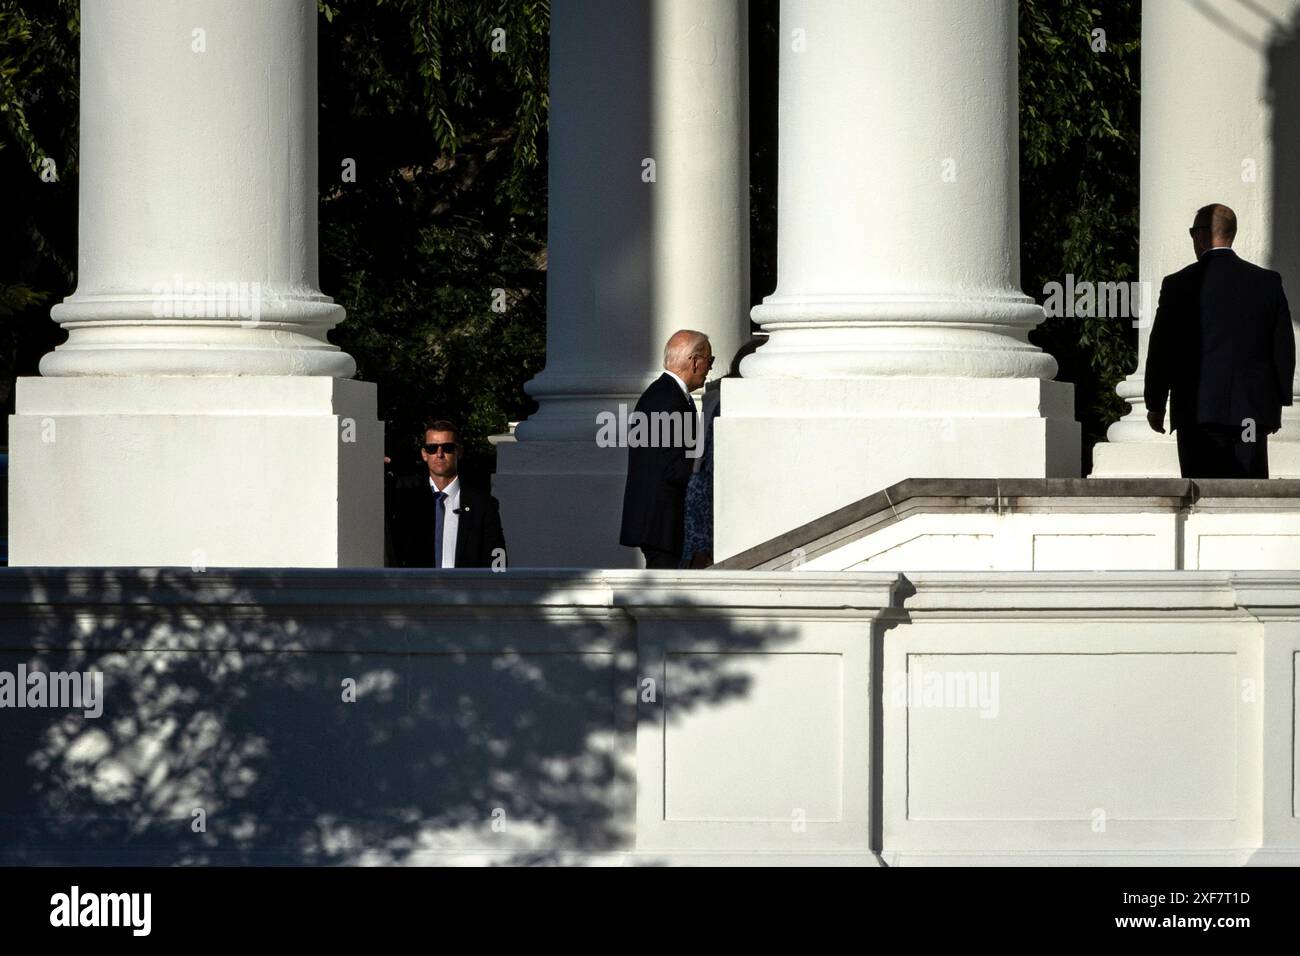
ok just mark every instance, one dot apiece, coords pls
pixel 681 346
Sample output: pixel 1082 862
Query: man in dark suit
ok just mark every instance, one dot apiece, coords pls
pixel 654 498
pixel 434 520
pixel 1222 352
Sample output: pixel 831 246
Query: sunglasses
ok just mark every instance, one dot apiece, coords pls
pixel 448 448
pixel 711 358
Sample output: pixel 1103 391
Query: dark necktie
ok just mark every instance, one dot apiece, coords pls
pixel 439 520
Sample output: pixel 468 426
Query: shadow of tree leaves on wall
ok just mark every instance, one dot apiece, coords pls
pixel 493 721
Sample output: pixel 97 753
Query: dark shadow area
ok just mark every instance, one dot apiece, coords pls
pixel 477 727
pixel 878 632
pixel 1079 113
pixel 764 71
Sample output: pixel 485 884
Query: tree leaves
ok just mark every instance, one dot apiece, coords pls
pixel 449 205
pixel 1079 185
pixel 38 121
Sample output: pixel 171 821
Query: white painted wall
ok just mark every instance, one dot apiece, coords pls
pixel 190 471
pixel 1081 718
pixel 1157 540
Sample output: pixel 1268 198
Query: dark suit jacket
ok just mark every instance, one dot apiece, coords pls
pixel 1222 347
pixel 410 524
pixel 654 498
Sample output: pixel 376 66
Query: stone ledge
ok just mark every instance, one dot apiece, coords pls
pixel 976 495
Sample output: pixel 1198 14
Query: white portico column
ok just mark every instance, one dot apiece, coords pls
pixel 898 328
pixel 648 233
pixel 196 414
pixel 1225 134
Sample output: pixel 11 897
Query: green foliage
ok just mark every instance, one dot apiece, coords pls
pixel 449 205
pixel 1079 185
pixel 15 298
pixel 38 56
pixel 38 120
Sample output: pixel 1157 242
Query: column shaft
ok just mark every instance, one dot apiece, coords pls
pixel 898 251
pixel 197 416
pixel 198 194
pixel 648 233
pixel 898 331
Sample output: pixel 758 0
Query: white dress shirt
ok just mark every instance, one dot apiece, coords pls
pixel 451 522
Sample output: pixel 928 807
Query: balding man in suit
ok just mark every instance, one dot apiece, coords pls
pixel 1222 353
pixel 654 498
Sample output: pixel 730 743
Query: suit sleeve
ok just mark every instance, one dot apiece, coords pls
pixel 390 553
pixel 1284 347
pixel 397 518
pixel 1158 374
pixel 679 469
pixel 493 534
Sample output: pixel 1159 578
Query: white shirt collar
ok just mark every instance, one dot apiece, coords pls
pixel 452 491
pixel 682 385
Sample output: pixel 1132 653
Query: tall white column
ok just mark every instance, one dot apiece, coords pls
pixel 196 414
pixel 648 233
pixel 1227 134
pixel 898 328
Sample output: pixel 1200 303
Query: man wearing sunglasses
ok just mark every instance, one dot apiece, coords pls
pixel 654 498
pixel 438 522
pixel 1222 353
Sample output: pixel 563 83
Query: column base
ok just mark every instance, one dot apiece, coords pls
pixel 1133 450
pixel 243 471
pixel 1159 459
pixel 562 504
pixel 1136 459
pixel 791 450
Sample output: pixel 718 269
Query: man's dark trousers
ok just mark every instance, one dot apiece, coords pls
pixel 654 558
pixel 1218 451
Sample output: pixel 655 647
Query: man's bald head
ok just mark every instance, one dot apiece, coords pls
pixel 688 355
pixel 1219 221
pixel 681 346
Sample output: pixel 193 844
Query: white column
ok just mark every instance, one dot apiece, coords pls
pixel 196 415
pixel 629 260
pixel 1224 135
pixel 198 169
pixel 898 328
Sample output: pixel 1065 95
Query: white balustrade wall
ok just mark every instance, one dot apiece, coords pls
pixel 639 717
